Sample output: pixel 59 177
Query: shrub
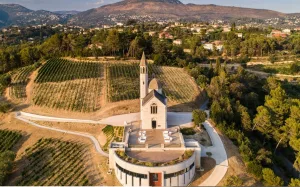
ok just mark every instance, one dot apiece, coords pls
pixel 188 131
pixel 6 165
pixel 255 169
pixel 4 107
pixel 5 80
pixel 294 68
pixel 233 181
pixel 209 154
pixel 199 117
pixel 270 179
pixel 273 58
pixel 295 182
pixel 149 164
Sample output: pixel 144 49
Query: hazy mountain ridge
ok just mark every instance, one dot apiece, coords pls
pixel 14 14
pixel 167 9
pixel 146 10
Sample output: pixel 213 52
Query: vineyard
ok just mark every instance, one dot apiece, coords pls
pixel 19 82
pixel 123 82
pixel 52 162
pixel 112 134
pixel 67 85
pixel 8 139
pixel 78 86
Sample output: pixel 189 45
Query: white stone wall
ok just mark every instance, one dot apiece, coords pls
pixel 143 83
pixel 175 181
pixel 160 117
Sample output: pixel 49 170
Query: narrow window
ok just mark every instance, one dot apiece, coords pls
pixel 154 109
pixel 126 178
pixel 140 184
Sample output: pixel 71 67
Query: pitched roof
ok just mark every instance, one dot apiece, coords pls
pixel 155 84
pixel 155 94
pixel 143 60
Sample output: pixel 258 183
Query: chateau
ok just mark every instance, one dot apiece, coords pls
pixel 153 151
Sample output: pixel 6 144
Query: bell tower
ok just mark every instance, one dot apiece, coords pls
pixel 143 78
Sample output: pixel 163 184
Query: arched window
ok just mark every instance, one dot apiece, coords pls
pixel 153 108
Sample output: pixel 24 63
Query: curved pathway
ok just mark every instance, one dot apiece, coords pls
pixel 218 150
pixel 92 138
pixel 218 153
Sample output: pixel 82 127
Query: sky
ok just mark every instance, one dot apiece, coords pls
pixel 286 6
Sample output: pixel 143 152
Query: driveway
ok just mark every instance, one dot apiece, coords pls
pixel 218 153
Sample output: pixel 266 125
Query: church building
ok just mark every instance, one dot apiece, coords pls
pixel 153 103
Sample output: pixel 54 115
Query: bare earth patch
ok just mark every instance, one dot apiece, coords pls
pixel 208 164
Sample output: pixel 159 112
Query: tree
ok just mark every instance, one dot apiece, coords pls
pixel 294 68
pixel 278 106
pixel 195 73
pixel 263 156
pixel 245 118
pixel 6 164
pixel 271 84
pixel 199 117
pixel 293 126
pixel 233 181
pixel 262 121
pixel 218 66
pixel 272 58
pixel 113 41
pixel 29 55
pixel 297 162
pixel 254 169
pixel 202 81
pixel 270 179
pixel 295 182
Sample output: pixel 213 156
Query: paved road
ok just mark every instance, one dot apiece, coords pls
pixel 183 119
pixel 92 138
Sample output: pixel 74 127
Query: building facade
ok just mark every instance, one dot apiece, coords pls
pixel 153 103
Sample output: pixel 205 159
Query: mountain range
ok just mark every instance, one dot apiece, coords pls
pixel 147 10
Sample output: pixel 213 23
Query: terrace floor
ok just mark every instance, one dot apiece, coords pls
pixel 154 137
pixel 156 157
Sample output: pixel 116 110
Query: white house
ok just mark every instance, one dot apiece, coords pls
pixel 177 42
